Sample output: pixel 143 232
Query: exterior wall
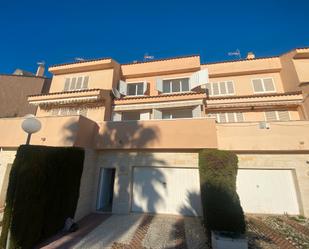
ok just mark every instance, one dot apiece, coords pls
pixel 87 187
pixel 281 136
pixel 296 162
pixel 102 79
pixel 7 157
pixel 301 66
pixel 124 163
pixel 288 73
pixel 243 83
pixel 158 134
pixel 14 91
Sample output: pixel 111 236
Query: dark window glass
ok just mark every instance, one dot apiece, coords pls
pixel 140 89
pixel 131 89
pixel 166 87
pixel 185 85
pixel 130 116
pixel 176 86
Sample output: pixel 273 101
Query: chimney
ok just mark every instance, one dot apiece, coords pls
pixel 41 69
pixel 250 56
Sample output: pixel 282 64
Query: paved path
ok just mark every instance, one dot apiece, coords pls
pixel 133 231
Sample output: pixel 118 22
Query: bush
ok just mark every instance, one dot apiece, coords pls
pixel 43 191
pixel 220 201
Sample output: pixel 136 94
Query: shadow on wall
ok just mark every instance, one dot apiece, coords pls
pixel 149 189
pixel 192 205
pixel 128 134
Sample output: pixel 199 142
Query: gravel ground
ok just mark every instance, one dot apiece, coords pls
pixel 195 234
pixel 298 239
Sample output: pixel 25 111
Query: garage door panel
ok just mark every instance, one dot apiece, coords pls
pixel 267 191
pixel 166 190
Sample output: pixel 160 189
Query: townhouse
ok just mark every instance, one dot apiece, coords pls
pixel 142 125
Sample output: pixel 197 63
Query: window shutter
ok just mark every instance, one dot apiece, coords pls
pixel 145 87
pixel 269 85
pixel 257 85
pixel 283 115
pixel 85 83
pixel 231 117
pixel 230 87
pixel 55 112
pixel 159 85
pixel 79 83
pixel 222 88
pixel 157 114
pixel 66 84
pixel 222 118
pixel 73 84
pixel 144 115
pixel 197 112
pixel 215 89
pixel 123 87
pixel 271 116
pixel 198 78
pixel 239 117
pixel 116 116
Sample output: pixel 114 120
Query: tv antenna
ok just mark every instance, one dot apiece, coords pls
pixel 148 57
pixel 235 53
pixel 79 59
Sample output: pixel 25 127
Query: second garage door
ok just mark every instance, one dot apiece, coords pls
pixel 166 190
pixel 267 191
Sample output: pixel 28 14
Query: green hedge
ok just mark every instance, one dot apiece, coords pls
pixel 43 191
pixel 221 205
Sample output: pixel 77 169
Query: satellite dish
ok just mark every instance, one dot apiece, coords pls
pixel 116 93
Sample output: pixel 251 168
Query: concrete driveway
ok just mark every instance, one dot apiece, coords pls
pixel 136 231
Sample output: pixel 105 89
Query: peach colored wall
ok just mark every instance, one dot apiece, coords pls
pixel 158 134
pixel 302 69
pixel 292 135
pixel 288 73
pixel 243 83
pixel 160 67
pixel 102 79
pixel 55 131
pixel 243 67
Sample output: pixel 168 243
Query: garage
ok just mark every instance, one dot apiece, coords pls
pixel 166 190
pixel 267 191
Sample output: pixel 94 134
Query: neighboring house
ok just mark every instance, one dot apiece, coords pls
pixel 15 89
pixel 142 125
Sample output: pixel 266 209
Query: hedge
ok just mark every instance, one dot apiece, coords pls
pixel 43 191
pixel 221 206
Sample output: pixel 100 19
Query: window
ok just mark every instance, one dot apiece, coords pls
pixel 263 85
pixel 177 113
pixel 228 117
pixel 130 116
pixel 135 89
pixel 220 88
pixel 76 83
pixel 277 116
pixel 176 85
pixel 66 111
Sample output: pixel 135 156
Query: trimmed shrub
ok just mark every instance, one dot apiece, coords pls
pixel 221 206
pixel 43 191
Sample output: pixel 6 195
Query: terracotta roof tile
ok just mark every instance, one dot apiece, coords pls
pixel 78 62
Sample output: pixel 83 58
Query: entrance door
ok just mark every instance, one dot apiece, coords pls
pixel 106 190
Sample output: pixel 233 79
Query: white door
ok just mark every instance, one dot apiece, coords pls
pixel 267 191
pixel 166 190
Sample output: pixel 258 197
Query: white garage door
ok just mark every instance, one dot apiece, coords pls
pixel 166 190
pixel 267 191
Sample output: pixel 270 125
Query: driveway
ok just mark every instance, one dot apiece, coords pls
pixel 136 231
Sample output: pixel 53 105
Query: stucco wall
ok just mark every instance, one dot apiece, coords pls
pixel 7 157
pixel 296 162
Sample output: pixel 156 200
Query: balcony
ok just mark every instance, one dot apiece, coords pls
pixel 250 136
pixel 55 131
pixel 158 134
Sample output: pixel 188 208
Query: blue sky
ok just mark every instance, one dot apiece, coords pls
pixel 58 31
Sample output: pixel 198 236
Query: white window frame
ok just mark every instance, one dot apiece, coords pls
pixel 135 82
pixel 217 116
pixel 222 94
pixel 76 89
pixel 67 113
pixel 277 115
pixel 263 86
pixel 176 78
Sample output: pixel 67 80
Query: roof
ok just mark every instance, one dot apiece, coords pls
pixel 27 76
pixel 163 59
pixel 79 62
